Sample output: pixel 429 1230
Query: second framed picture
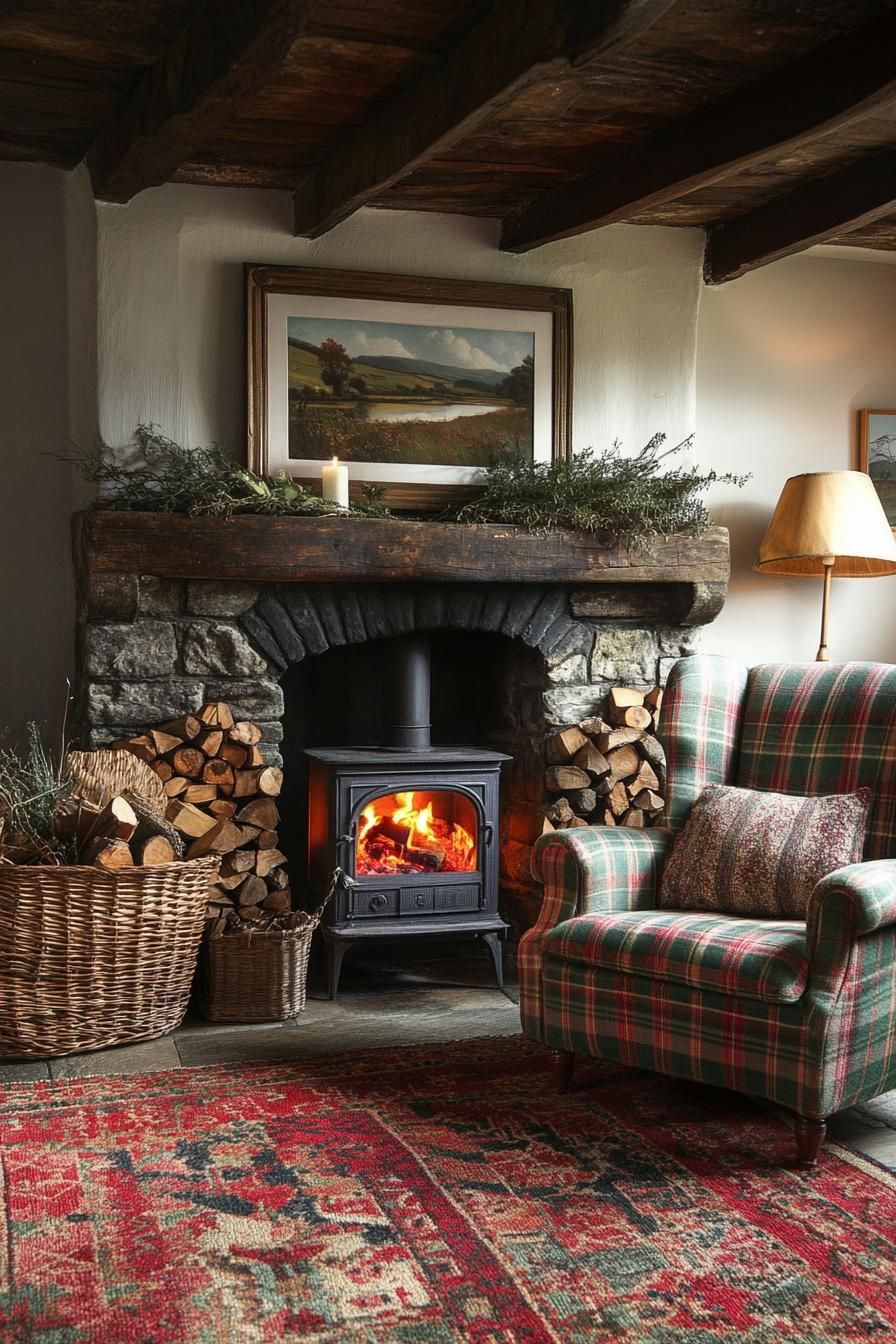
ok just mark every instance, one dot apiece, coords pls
pixel 877 455
pixel 415 384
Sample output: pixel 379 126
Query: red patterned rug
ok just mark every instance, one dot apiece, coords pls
pixel 433 1194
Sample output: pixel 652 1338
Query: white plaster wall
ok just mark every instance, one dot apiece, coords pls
pixel 47 399
pixel 172 325
pixel 786 356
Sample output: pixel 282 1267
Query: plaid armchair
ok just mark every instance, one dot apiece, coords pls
pixel 800 1013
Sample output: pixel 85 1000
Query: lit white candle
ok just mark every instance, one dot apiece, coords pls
pixel 334 482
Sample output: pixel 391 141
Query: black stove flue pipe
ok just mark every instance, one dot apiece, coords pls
pixel 406 677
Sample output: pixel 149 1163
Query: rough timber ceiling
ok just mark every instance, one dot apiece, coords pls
pixel 771 123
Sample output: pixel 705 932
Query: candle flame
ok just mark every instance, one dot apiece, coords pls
pixel 335 462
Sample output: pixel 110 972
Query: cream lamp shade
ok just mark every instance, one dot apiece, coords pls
pixel 830 524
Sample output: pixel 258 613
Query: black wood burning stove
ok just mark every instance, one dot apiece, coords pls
pixel 413 827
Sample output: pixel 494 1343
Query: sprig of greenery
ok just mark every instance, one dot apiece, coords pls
pixel 169 478
pixel 604 493
pixel 31 787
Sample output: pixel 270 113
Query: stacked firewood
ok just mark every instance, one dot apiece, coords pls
pixel 608 771
pixel 221 800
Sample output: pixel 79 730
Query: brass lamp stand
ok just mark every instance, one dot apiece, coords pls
pixel 828 523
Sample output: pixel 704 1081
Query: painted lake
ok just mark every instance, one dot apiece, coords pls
pixel 425 410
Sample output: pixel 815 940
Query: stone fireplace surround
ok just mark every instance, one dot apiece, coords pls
pixel 153 646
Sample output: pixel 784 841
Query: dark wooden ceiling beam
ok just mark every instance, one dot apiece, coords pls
pixel 228 51
pixel 516 43
pixel 831 86
pixel 811 214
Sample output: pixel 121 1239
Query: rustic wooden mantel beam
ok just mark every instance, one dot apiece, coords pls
pixel 516 43
pixel 229 50
pixel 834 84
pixel 822 209
pixel 335 550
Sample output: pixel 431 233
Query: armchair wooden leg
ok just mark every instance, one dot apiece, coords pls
pixel 809 1138
pixel 562 1065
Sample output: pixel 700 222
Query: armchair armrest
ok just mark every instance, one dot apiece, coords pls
pixel 601 868
pixel 845 906
pixel 585 871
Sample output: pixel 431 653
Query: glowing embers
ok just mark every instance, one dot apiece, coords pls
pixel 417 833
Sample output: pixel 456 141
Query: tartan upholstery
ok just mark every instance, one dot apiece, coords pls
pixel 824 728
pixel 702 706
pixel 759 958
pixel 791 728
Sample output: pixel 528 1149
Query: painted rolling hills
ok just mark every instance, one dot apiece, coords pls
pixel 390 376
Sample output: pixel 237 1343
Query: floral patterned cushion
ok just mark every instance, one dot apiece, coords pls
pixel 751 853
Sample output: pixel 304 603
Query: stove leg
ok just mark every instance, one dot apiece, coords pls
pixel 493 942
pixel 336 950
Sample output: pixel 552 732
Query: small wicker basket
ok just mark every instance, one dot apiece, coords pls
pixel 259 975
pixel 90 958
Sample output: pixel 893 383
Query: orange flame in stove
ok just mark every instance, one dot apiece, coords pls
pixel 407 833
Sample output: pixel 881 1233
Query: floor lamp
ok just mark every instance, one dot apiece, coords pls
pixel 828 524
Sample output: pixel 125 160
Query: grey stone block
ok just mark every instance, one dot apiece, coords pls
pixel 520 610
pixel 271 732
pixel 275 616
pixel 141 649
pixel 399 605
pixel 329 610
pixel 248 699
pixel 572 671
pixel 376 614
pixel 552 605
pixel 261 635
pixel 463 607
pixel 214 598
pixel 213 647
pixel 570 704
pixel 677 641
pixel 575 639
pixel 141 704
pixel 304 617
pixel 624 654
pixel 429 607
pixel 110 597
pixel 494 608
pixel 352 619
pixel 160 597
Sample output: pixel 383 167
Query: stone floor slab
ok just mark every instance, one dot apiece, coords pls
pixel 144 1057
pixel 26 1071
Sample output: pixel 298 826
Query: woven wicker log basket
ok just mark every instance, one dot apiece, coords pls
pixel 260 975
pixel 90 959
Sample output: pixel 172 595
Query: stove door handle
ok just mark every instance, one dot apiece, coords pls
pixel 488 833
pixel 345 842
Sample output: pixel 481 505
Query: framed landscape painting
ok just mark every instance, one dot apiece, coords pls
pixel 416 385
pixel 877 455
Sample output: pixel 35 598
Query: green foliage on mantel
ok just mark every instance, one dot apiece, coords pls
pixel 607 494
pixel 168 478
